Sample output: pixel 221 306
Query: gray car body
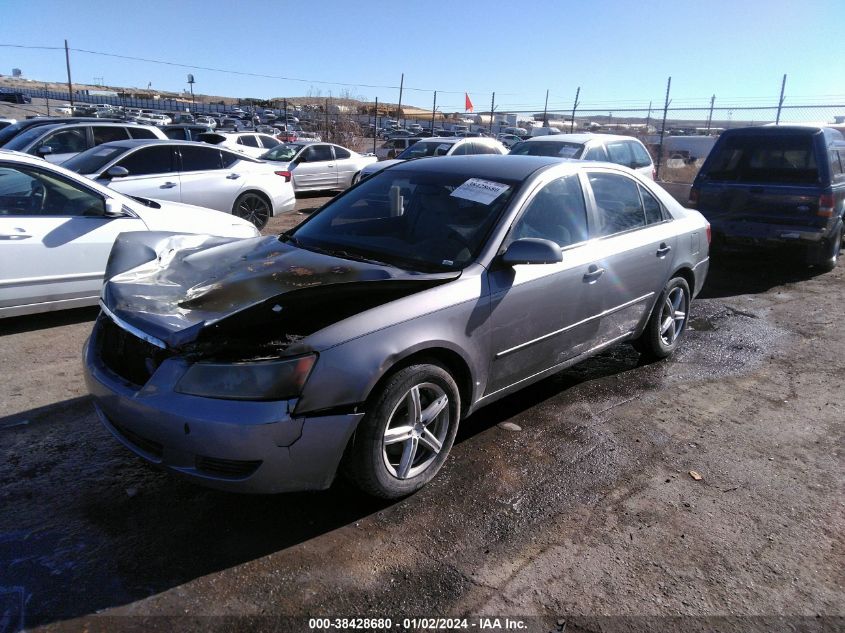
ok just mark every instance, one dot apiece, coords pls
pixel 496 328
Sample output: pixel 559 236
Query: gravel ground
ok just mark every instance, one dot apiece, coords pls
pixel 584 519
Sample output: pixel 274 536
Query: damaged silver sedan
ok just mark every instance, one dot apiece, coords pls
pixel 358 341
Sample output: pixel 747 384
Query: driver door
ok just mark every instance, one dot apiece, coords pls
pixel 54 238
pixel 315 168
pixel 152 174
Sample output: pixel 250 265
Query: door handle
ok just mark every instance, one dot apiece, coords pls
pixel 168 185
pixel 233 176
pixel 593 273
pixel 663 249
pixel 330 165
pixel 14 236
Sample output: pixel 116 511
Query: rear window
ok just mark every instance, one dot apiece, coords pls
pixel 558 149
pixel 140 132
pixel 764 159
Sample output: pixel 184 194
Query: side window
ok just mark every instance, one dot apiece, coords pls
pixel 177 134
pixel 641 156
pixel 268 141
pixel 66 141
pixel 596 153
pixel 461 149
pixel 148 160
pixel 248 140
pixel 229 159
pixel 141 132
pixel 340 153
pixel 317 153
pixel 109 134
pixel 199 158
pixel 837 169
pixel 481 148
pixel 653 208
pixel 618 204
pixel 557 213
pixel 29 191
pixel 620 153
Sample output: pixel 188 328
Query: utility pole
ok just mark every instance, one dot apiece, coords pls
pixel 575 105
pixel 327 121
pixel 69 83
pixel 375 127
pixel 663 129
pixel 433 110
pixel 399 107
pixel 492 107
pixel 546 110
pixel 780 101
pixel 47 96
pixel 285 105
pixel 710 116
pixel 648 118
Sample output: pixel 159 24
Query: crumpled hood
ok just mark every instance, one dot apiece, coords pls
pixel 172 286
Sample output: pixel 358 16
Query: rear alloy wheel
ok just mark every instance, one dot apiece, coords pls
pixel 830 257
pixel 253 207
pixel 356 178
pixel 407 433
pixel 668 321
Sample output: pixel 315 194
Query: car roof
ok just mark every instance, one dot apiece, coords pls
pixel 485 166
pixel 579 137
pixel 132 143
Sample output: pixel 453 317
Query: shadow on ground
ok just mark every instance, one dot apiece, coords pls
pixel 733 274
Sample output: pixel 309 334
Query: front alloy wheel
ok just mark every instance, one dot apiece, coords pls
pixel 407 433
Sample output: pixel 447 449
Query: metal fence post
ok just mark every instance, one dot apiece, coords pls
pixel 662 131
pixel 575 105
pixel 780 101
pixel 375 126
pixel 710 116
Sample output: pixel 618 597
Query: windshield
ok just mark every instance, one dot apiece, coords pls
pixel 9 131
pixel 558 149
pixel 284 152
pixel 93 160
pixel 414 220
pixel 425 148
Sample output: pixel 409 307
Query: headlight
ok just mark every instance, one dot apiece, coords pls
pixel 262 380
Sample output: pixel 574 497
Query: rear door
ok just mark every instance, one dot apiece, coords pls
pixel 209 177
pixel 315 168
pixel 635 247
pixel 54 238
pixel 345 165
pixel 249 145
pixel 152 174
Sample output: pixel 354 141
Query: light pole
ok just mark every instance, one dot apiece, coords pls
pixel 191 84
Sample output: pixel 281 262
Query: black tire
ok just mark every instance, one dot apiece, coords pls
pixel 356 179
pixel 830 255
pixel 254 207
pixel 374 463
pixel 656 341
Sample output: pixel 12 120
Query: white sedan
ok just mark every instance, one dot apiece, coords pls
pixel 57 229
pixel 319 166
pixel 249 143
pixel 193 173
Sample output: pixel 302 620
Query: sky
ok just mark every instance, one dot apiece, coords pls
pixel 617 52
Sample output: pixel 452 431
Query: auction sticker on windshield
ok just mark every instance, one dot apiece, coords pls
pixel 478 190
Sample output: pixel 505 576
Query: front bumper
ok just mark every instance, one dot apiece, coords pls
pixel 238 446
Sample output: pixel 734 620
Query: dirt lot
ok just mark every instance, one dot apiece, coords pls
pixel 586 519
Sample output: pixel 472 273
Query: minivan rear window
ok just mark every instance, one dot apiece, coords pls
pixel 764 159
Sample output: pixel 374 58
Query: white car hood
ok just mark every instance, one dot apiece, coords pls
pixel 187 218
pixel 374 167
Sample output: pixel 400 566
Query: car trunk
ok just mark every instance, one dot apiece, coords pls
pixel 764 179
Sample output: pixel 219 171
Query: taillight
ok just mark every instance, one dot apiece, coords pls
pixel 826 205
pixel 284 174
pixel 709 234
pixel 694 195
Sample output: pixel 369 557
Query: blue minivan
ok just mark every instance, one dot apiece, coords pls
pixel 776 187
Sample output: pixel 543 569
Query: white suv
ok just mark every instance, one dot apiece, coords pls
pixel 608 148
pixel 59 142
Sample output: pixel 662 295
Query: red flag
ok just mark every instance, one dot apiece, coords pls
pixel 467 103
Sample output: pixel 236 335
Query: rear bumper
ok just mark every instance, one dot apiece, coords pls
pixel 238 446
pixel 757 234
pixel 284 203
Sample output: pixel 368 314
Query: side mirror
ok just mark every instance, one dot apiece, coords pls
pixel 45 150
pixel 117 171
pixel 531 250
pixel 114 209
